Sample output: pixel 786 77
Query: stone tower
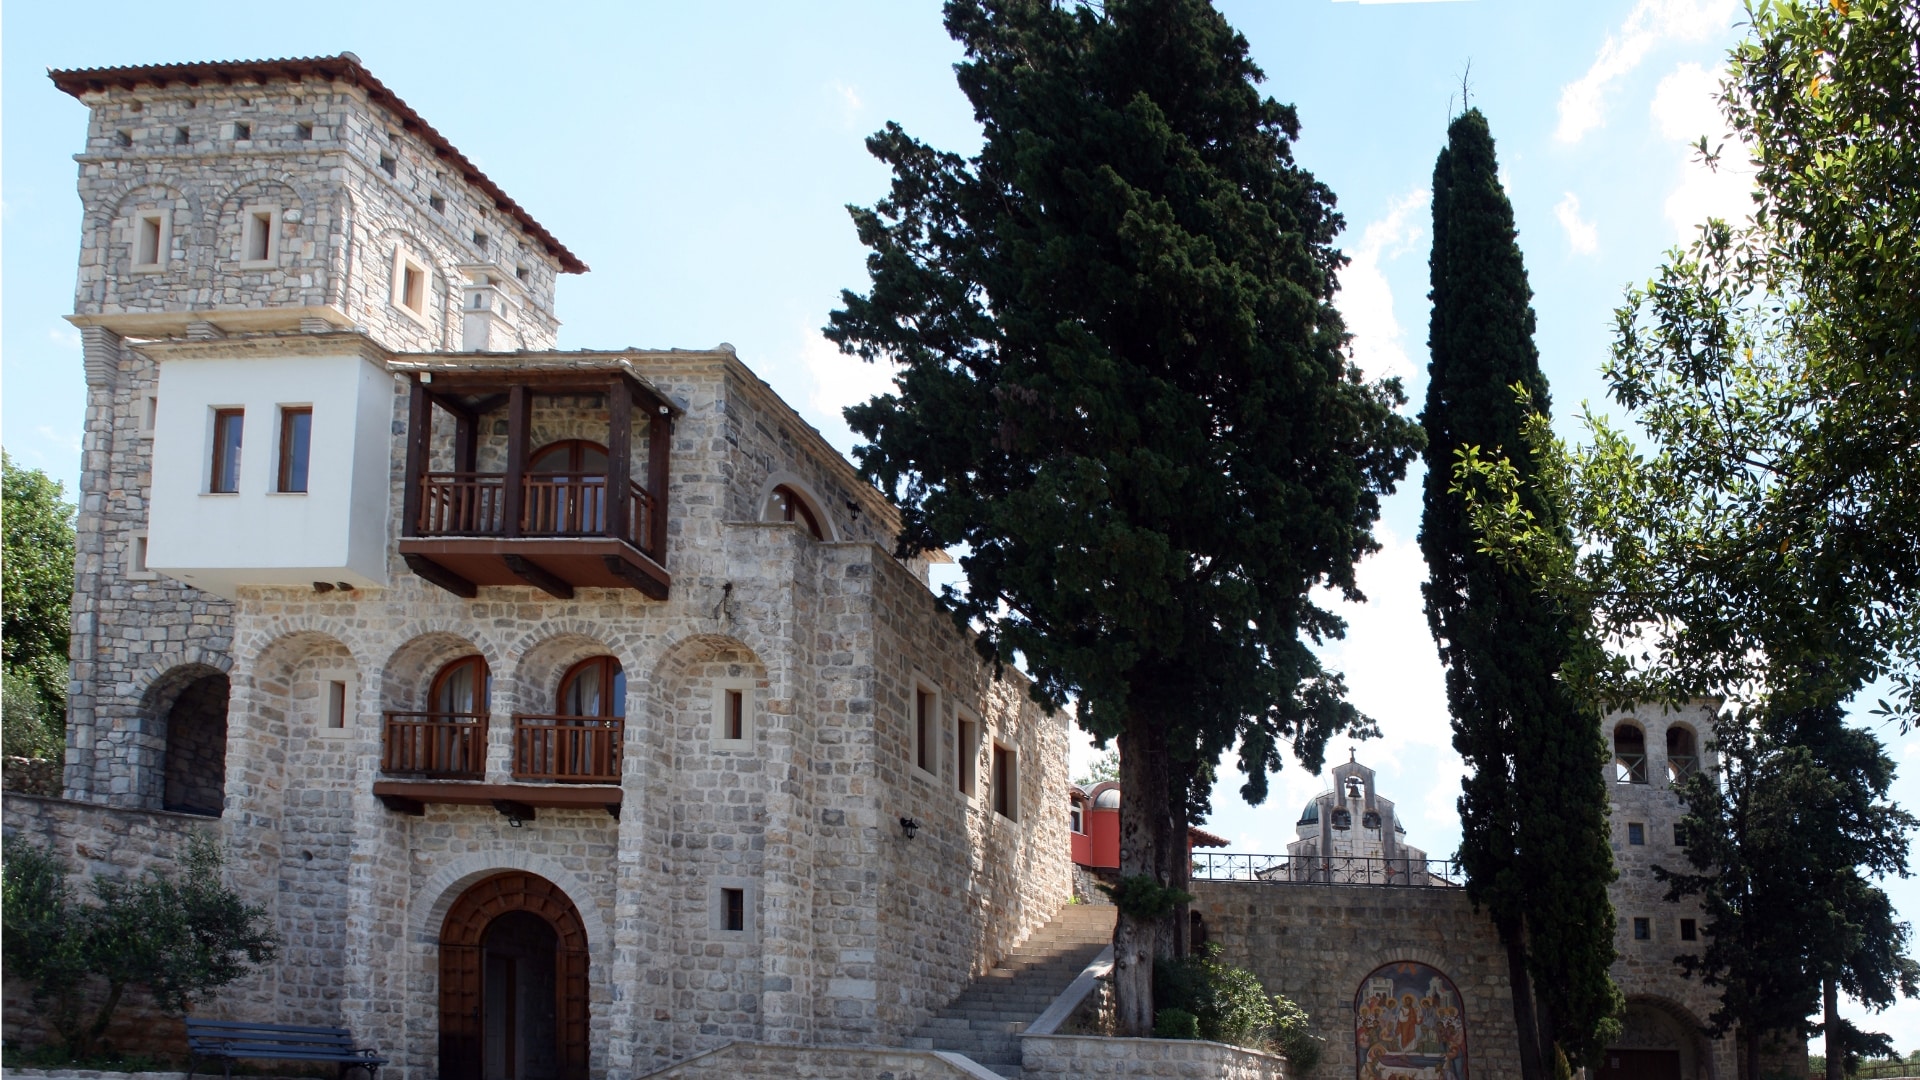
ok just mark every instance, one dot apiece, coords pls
pixel 235 198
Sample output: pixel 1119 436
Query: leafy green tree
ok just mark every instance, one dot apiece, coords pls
pixel 1533 811
pixel 179 935
pixel 1102 769
pixel 36 588
pixel 1781 848
pixel 1124 389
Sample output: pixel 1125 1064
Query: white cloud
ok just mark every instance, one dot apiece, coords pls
pixel 1365 299
pixel 849 102
pixel 838 380
pixel 1651 22
pixel 1582 237
pixel 1684 109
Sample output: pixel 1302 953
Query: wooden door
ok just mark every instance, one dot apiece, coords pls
pixel 1640 1065
pixel 461 1000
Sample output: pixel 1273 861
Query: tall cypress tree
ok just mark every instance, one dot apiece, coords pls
pixel 1124 388
pixel 1533 811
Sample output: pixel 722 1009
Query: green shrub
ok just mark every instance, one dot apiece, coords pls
pixel 1293 1036
pixel 1230 1003
pixel 1175 1024
pixel 181 936
pixel 31 725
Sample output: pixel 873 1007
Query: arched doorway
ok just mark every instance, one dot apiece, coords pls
pixel 513 983
pixel 194 772
pixel 1658 1040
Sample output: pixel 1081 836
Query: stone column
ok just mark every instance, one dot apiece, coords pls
pixel 101 357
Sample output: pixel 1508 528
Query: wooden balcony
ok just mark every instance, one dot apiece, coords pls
pixel 439 746
pixel 465 528
pixel 567 749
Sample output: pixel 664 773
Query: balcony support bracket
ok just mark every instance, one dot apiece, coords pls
pixel 636 577
pixel 441 576
pixel 535 575
pixel 512 810
pixel 400 804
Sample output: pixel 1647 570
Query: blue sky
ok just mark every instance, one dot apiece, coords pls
pixel 699 157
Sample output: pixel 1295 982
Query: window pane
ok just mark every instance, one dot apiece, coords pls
pixel 296 426
pixel 227 426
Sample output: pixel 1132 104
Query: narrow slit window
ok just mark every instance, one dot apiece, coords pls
pixel 413 289
pixel 736 718
pixel 1642 929
pixel 1689 930
pixel 296 437
pixel 337 705
pixel 303 130
pixel 259 239
pixel 1006 783
pixel 182 136
pixel 966 746
pixel 140 554
pixel 242 131
pixel 733 909
pixel 149 413
pixel 227 429
pixel 149 247
pixel 923 728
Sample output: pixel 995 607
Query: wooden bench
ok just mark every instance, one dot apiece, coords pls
pixel 231 1040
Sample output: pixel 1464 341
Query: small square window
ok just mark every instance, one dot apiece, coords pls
pixel 182 136
pixel 137 558
pixel 303 130
pixel 1689 930
pixel 1679 836
pixel 1006 783
pixel 410 282
pixel 389 165
pixel 733 909
pixel 242 131
pixel 522 273
pixel 1642 929
pixel 480 240
pixel 438 203
pixel 1074 821
pixel 733 717
pixel 296 439
pixel 123 138
pixel 1636 833
pixel 259 240
pixel 228 425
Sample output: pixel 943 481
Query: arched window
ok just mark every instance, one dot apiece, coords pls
pixel 566 489
pixel 1683 760
pixel 593 687
pixel 786 504
pixel 1629 754
pixel 462 687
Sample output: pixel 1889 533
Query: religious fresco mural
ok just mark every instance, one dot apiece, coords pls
pixel 1409 1024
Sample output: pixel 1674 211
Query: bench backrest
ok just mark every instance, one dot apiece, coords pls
pixel 208 1034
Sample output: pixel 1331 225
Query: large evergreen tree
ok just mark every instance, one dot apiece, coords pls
pixel 1534 840
pixel 1782 847
pixel 1124 389
pixel 36 588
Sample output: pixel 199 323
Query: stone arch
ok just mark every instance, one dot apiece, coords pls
pixel 181 207
pixel 409 669
pixel 1411 1012
pixel 187 707
pixel 461 953
pixel 829 529
pixel 546 654
pixel 1653 1024
pixel 257 188
pixel 443 290
pixel 1628 741
pixel 445 885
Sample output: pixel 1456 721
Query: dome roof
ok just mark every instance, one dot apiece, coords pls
pixel 1311 815
pixel 1108 799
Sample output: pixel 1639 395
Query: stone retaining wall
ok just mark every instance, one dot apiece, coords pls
pixel 752 1061
pixel 1096 1056
pixel 1317 943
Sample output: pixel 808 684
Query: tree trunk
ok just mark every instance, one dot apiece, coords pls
pixel 1179 861
pixel 1523 1019
pixel 1143 799
pixel 1548 1035
pixel 1836 1048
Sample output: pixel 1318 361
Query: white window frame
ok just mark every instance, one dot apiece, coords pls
pixel 250 223
pixel 935 729
pixel 162 250
pixel 136 567
pixel 748 718
pixel 345 677
pixel 749 905
pixel 403 260
pixel 966 751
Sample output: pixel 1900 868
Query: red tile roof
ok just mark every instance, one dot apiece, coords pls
pixel 345 67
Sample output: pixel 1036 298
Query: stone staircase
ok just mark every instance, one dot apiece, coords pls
pixel 985 1021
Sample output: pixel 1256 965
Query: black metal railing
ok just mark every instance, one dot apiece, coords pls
pixel 1327 870
pixel 1880 1070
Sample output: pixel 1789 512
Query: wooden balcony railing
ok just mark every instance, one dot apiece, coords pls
pixel 551 504
pixel 445 746
pixel 567 749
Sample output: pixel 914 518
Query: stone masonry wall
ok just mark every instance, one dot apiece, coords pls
pixel 1072 1056
pixel 1317 943
pixel 764 1061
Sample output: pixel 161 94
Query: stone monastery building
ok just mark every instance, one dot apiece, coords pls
pixel 584 680
pixel 568 711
